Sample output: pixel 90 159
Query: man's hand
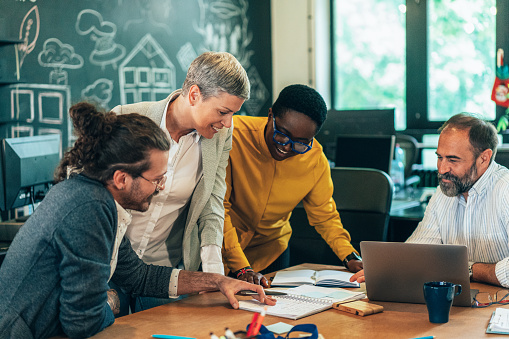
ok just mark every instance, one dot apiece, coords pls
pixel 229 287
pixel 113 301
pixel 354 265
pixel 193 282
pixel 254 278
pixel 359 277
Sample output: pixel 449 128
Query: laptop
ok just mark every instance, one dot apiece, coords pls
pixel 396 271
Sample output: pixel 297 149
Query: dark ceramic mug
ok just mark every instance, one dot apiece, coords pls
pixel 439 296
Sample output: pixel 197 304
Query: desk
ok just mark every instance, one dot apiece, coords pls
pixel 198 315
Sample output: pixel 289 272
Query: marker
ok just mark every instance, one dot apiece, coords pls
pixel 213 336
pixel 251 325
pixel 165 336
pixel 267 292
pixel 229 334
pixel 428 337
pixel 258 323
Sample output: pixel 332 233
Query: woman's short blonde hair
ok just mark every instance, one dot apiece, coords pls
pixel 215 72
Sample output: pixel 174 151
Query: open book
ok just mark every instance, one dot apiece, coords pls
pixel 303 301
pixel 325 278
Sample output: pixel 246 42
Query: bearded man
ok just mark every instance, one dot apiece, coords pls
pixel 470 207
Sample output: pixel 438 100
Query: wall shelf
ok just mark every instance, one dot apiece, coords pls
pixel 10 41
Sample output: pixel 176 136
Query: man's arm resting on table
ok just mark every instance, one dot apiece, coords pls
pixel 485 273
pixel 190 282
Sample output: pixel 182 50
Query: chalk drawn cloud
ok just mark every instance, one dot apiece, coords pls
pixel 100 92
pixel 59 55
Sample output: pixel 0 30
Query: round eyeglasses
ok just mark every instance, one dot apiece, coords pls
pixel 158 183
pixel 283 139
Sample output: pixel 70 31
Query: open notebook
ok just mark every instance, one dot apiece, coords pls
pixel 325 278
pixel 303 301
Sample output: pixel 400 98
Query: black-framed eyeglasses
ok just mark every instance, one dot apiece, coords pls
pixel 158 183
pixel 485 299
pixel 283 139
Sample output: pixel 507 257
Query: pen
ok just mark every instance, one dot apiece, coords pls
pixel 428 337
pixel 258 323
pixel 165 336
pixel 267 292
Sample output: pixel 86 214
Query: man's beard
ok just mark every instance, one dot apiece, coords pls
pixel 458 185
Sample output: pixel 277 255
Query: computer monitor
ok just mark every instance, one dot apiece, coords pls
pixel 502 156
pixel 354 122
pixel 26 170
pixel 369 151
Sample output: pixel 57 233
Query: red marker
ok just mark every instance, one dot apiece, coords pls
pixel 256 323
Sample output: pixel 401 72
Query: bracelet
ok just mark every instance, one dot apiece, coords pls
pixel 243 271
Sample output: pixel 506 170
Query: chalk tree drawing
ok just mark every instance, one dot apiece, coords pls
pixel 28 32
pixel 100 92
pixel 146 74
pixel 224 27
pixel 155 13
pixel 106 51
pixel 59 56
pixel 186 55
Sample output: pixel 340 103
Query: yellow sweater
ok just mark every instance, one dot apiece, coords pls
pixel 262 193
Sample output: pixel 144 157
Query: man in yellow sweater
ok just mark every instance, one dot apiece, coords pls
pixel 274 164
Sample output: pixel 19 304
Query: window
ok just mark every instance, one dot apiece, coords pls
pixel 429 59
pixel 369 55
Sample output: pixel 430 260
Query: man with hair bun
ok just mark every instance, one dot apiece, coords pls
pixel 274 164
pixel 184 225
pixel 54 279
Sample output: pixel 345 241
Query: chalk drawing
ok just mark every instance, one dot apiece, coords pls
pixel 146 74
pixel 106 51
pixel 154 13
pixel 99 92
pixel 44 106
pixel 59 56
pixel 186 55
pixel 224 27
pixel 28 32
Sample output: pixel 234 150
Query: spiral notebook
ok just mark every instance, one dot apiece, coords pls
pixel 303 301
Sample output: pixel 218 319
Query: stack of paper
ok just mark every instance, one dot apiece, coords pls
pixel 499 322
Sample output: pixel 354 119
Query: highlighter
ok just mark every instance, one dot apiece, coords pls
pixel 258 323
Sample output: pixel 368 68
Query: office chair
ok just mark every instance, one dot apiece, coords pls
pixel 363 198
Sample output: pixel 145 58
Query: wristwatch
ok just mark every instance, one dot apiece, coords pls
pixel 351 256
pixel 470 272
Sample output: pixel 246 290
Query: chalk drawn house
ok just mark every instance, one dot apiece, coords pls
pixel 146 74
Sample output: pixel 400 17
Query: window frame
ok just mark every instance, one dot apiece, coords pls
pixel 417 121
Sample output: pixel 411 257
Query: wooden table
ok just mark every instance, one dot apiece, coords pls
pixel 198 315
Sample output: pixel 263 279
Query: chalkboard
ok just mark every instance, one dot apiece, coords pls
pixel 116 52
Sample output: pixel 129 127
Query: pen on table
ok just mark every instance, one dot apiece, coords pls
pixel 165 336
pixel 258 323
pixel 267 292
pixel 251 325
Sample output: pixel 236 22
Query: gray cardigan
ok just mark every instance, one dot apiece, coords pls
pixel 55 275
pixel 205 214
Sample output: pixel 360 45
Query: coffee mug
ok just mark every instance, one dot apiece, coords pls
pixel 439 296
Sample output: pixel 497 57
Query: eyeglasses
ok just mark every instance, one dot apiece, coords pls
pixel 485 299
pixel 283 139
pixel 159 183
